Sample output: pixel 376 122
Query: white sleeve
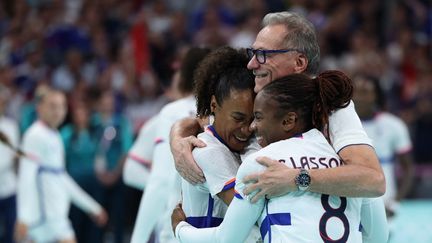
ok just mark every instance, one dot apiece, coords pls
pixel 374 221
pixel 27 197
pixel 137 166
pixel 143 146
pixel 218 166
pixel 401 140
pixel 79 197
pixel 346 129
pixel 12 134
pixel 162 177
pixel 135 174
pixel 239 218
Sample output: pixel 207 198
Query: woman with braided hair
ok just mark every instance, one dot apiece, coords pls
pixel 289 113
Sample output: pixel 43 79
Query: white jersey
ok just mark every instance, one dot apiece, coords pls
pixel 7 175
pixel 304 216
pixel 45 190
pixel 138 162
pixel 296 216
pixel 346 129
pixel 202 206
pixel 164 184
pixel 390 137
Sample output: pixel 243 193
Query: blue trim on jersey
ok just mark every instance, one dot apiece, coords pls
pixel 354 144
pixel 39 187
pixel 229 186
pixel 298 135
pixel 213 130
pixel 237 195
pixel 206 221
pixel 202 222
pixel 210 210
pixel 273 219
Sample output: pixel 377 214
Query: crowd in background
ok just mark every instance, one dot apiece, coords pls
pixel 116 61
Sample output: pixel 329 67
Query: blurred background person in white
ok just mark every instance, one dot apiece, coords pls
pixel 164 186
pixel 136 170
pixel 45 190
pixel 8 128
pixel 390 138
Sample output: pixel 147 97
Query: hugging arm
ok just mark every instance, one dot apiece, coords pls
pixel 182 141
pixel 239 219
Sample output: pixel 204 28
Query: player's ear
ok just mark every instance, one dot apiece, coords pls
pixel 289 121
pixel 301 63
pixel 213 104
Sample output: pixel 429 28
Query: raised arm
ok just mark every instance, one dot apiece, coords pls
pixel 182 141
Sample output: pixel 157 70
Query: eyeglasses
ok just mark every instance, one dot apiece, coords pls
pixel 261 55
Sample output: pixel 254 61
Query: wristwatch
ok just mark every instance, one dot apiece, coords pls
pixel 303 180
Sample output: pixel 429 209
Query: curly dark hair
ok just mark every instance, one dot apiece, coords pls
pixel 221 71
pixel 312 99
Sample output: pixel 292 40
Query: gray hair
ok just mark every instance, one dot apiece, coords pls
pixel 301 35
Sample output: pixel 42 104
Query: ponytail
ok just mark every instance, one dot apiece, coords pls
pixel 312 99
pixel 334 90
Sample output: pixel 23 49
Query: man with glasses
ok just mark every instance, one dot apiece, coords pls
pixel 288 44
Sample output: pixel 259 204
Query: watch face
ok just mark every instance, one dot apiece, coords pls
pixel 303 180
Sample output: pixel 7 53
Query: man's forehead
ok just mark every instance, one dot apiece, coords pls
pixel 270 37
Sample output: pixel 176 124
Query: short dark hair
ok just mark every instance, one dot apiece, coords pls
pixel 188 65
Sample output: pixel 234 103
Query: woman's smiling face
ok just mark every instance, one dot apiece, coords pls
pixel 233 118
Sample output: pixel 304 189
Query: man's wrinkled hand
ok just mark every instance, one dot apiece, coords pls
pixel 184 161
pixel 275 181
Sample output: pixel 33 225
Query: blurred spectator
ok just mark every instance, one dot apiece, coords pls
pixel 9 129
pixel 213 32
pixel 28 110
pixel 33 70
pixel 422 123
pixel 81 144
pixel 72 72
pixel 115 136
